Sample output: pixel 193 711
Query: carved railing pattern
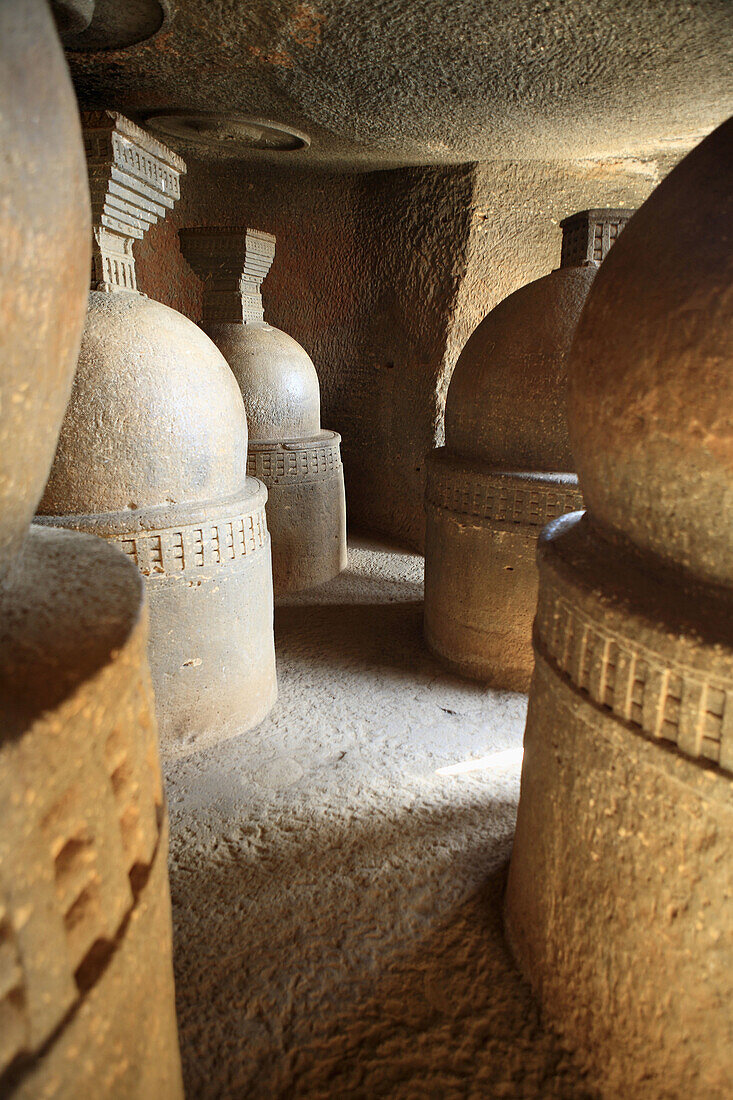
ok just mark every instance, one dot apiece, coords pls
pixel 500 499
pixel 194 546
pixel 663 698
pixel 307 462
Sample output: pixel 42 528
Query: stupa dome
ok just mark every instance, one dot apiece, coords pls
pixel 155 418
pixel 44 228
pixel 277 378
pixel 506 399
pixel 651 384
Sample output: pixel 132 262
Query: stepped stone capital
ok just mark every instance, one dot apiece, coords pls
pixel 588 235
pixel 233 263
pixel 134 180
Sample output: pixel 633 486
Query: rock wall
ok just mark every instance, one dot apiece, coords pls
pixel 382 277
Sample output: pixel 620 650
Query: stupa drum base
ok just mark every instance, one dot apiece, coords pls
pixel 207 573
pixel 306 508
pixel 480 572
pixel 86 980
pixel 626 820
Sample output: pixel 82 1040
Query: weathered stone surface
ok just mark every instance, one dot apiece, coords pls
pixel 277 378
pixel 153 455
pixel 44 227
pixel 299 463
pixel 386 324
pixel 143 460
pixel 652 373
pixel 492 488
pixel 85 922
pixel 94 25
pixel 155 417
pixel 618 903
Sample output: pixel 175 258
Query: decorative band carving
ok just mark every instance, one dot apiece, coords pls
pixel 504 500
pixel 663 698
pixel 306 461
pixel 197 546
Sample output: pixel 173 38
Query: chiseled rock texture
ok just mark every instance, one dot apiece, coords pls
pixel 86 981
pixel 495 120
pixel 299 462
pixel 138 432
pixel 380 85
pixel 277 378
pixel 506 468
pixel 506 403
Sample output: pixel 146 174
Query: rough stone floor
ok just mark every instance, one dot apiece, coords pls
pixel 337 874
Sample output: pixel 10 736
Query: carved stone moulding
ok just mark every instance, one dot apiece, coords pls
pixel 233 264
pixel 306 508
pixel 85 928
pixel 228 130
pixel 588 235
pixel 480 572
pixel 134 180
pixel 618 901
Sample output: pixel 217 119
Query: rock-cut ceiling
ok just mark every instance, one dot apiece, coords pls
pixel 379 83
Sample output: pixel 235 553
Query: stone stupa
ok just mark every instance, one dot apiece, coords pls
pixel 506 468
pixel 152 456
pixel 86 978
pixel 619 903
pixel 299 462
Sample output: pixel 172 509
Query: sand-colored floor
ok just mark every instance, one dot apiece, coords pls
pixel 337 880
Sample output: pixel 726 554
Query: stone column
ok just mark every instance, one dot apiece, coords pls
pixel 86 979
pixel 153 457
pixel 619 896
pixel 506 468
pixel 299 462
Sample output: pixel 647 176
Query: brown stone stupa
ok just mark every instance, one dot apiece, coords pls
pixel 298 461
pixel 506 467
pixel 619 903
pixel 152 456
pixel 86 979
